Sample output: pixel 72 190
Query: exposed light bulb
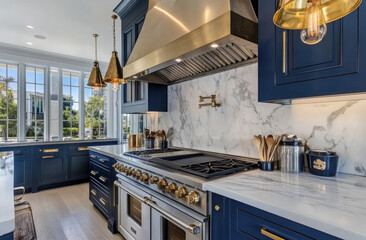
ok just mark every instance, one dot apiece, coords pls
pixel 315 28
pixel 115 86
pixel 96 89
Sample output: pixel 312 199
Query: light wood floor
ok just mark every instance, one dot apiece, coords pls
pixel 66 213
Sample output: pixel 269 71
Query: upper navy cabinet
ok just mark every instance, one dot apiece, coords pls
pixel 137 96
pixel 231 220
pixel 290 69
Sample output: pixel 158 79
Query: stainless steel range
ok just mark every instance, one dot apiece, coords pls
pixel 160 196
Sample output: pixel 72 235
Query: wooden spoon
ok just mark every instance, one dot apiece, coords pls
pixel 270 144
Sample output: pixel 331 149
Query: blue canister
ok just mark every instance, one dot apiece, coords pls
pixel 322 163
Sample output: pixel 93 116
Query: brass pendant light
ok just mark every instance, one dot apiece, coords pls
pixel 96 78
pixel 311 16
pixel 114 74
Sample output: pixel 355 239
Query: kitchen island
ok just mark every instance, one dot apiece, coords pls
pixel 332 205
pixel 7 215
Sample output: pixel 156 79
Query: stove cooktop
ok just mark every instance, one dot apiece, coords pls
pixel 195 163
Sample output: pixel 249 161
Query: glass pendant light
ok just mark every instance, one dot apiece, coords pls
pixel 96 78
pixel 311 16
pixel 114 74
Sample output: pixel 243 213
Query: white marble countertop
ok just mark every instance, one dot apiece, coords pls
pixel 335 205
pixel 7 215
pixel 30 143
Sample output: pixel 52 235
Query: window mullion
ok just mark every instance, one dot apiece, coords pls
pixel 21 118
pixel 46 110
pixel 81 107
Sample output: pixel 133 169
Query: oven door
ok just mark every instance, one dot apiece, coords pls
pixel 133 215
pixel 173 225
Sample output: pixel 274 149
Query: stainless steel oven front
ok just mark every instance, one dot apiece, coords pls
pixel 143 215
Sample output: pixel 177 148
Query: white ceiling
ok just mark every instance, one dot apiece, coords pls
pixel 67 24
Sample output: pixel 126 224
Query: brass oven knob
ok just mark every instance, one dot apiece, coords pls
pixel 180 193
pixel 145 178
pixel 137 174
pixel 154 179
pixel 123 168
pixel 170 188
pixel 130 171
pixel 192 198
pixel 114 165
pixel 162 184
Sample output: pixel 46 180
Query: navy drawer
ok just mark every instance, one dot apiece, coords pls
pixel 254 227
pixel 99 174
pixel 100 159
pixel 98 197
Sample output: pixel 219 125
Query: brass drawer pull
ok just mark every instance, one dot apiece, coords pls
pixel 270 235
pixel 47 157
pixel 54 150
pixel 93 192
pixel 93 156
pixel 94 173
pixel 104 202
pixel 103 179
pixel 83 149
pixel 102 160
pixel 284 52
pixel 217 208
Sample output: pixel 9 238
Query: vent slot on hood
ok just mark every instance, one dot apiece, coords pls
pixel 217 58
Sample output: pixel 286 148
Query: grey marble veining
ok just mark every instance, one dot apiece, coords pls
pixel 332 205
pixel 337 126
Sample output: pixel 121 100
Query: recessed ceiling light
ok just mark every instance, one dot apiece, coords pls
pixel 214 45
pixel 134 77
pixel 30 26
pixel 29 43
pixel 40 37
pixel 178 60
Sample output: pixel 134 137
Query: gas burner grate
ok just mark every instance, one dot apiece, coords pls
pixel 218 168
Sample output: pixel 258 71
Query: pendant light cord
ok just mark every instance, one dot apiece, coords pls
pixel 96 49
pixel 114 33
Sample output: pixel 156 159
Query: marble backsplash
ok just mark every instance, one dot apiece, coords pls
pixel 337 126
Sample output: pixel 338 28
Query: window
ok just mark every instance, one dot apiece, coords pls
pixel 94 120
pixel 132 124
pixel 8 102
pixel 70 105
pixel 34 78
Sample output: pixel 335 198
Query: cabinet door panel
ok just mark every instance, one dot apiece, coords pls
pixel 52 170
pixel 335 55
pixel 21 172
pixel 128 44
pixel 79 167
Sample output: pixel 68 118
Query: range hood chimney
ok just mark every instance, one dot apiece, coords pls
pixel 183 39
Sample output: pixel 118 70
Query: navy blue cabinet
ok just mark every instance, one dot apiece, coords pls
pixel 137 96
pixel 101 187
pixel 231 220
pixel 51 165
pixel 290 69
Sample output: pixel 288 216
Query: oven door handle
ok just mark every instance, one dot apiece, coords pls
pixel 192 228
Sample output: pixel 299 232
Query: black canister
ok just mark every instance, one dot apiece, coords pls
pixel 322 163
pixel 149 142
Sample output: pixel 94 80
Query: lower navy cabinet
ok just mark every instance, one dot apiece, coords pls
pixel 9 236
pixel 101 194
pixel 51 164
pixel 234 220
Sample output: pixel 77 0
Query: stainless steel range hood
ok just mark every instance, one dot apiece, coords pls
pixel 183 39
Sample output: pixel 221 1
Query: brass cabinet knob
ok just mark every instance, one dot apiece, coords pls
pixel 137 174
pixel 154 179
pixel 170 188
pixel 180 193
pixel 145 178
pixel 162 184
pixel 217 208
pixel 192 198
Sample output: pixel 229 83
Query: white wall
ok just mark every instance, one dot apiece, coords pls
pixel 338 126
